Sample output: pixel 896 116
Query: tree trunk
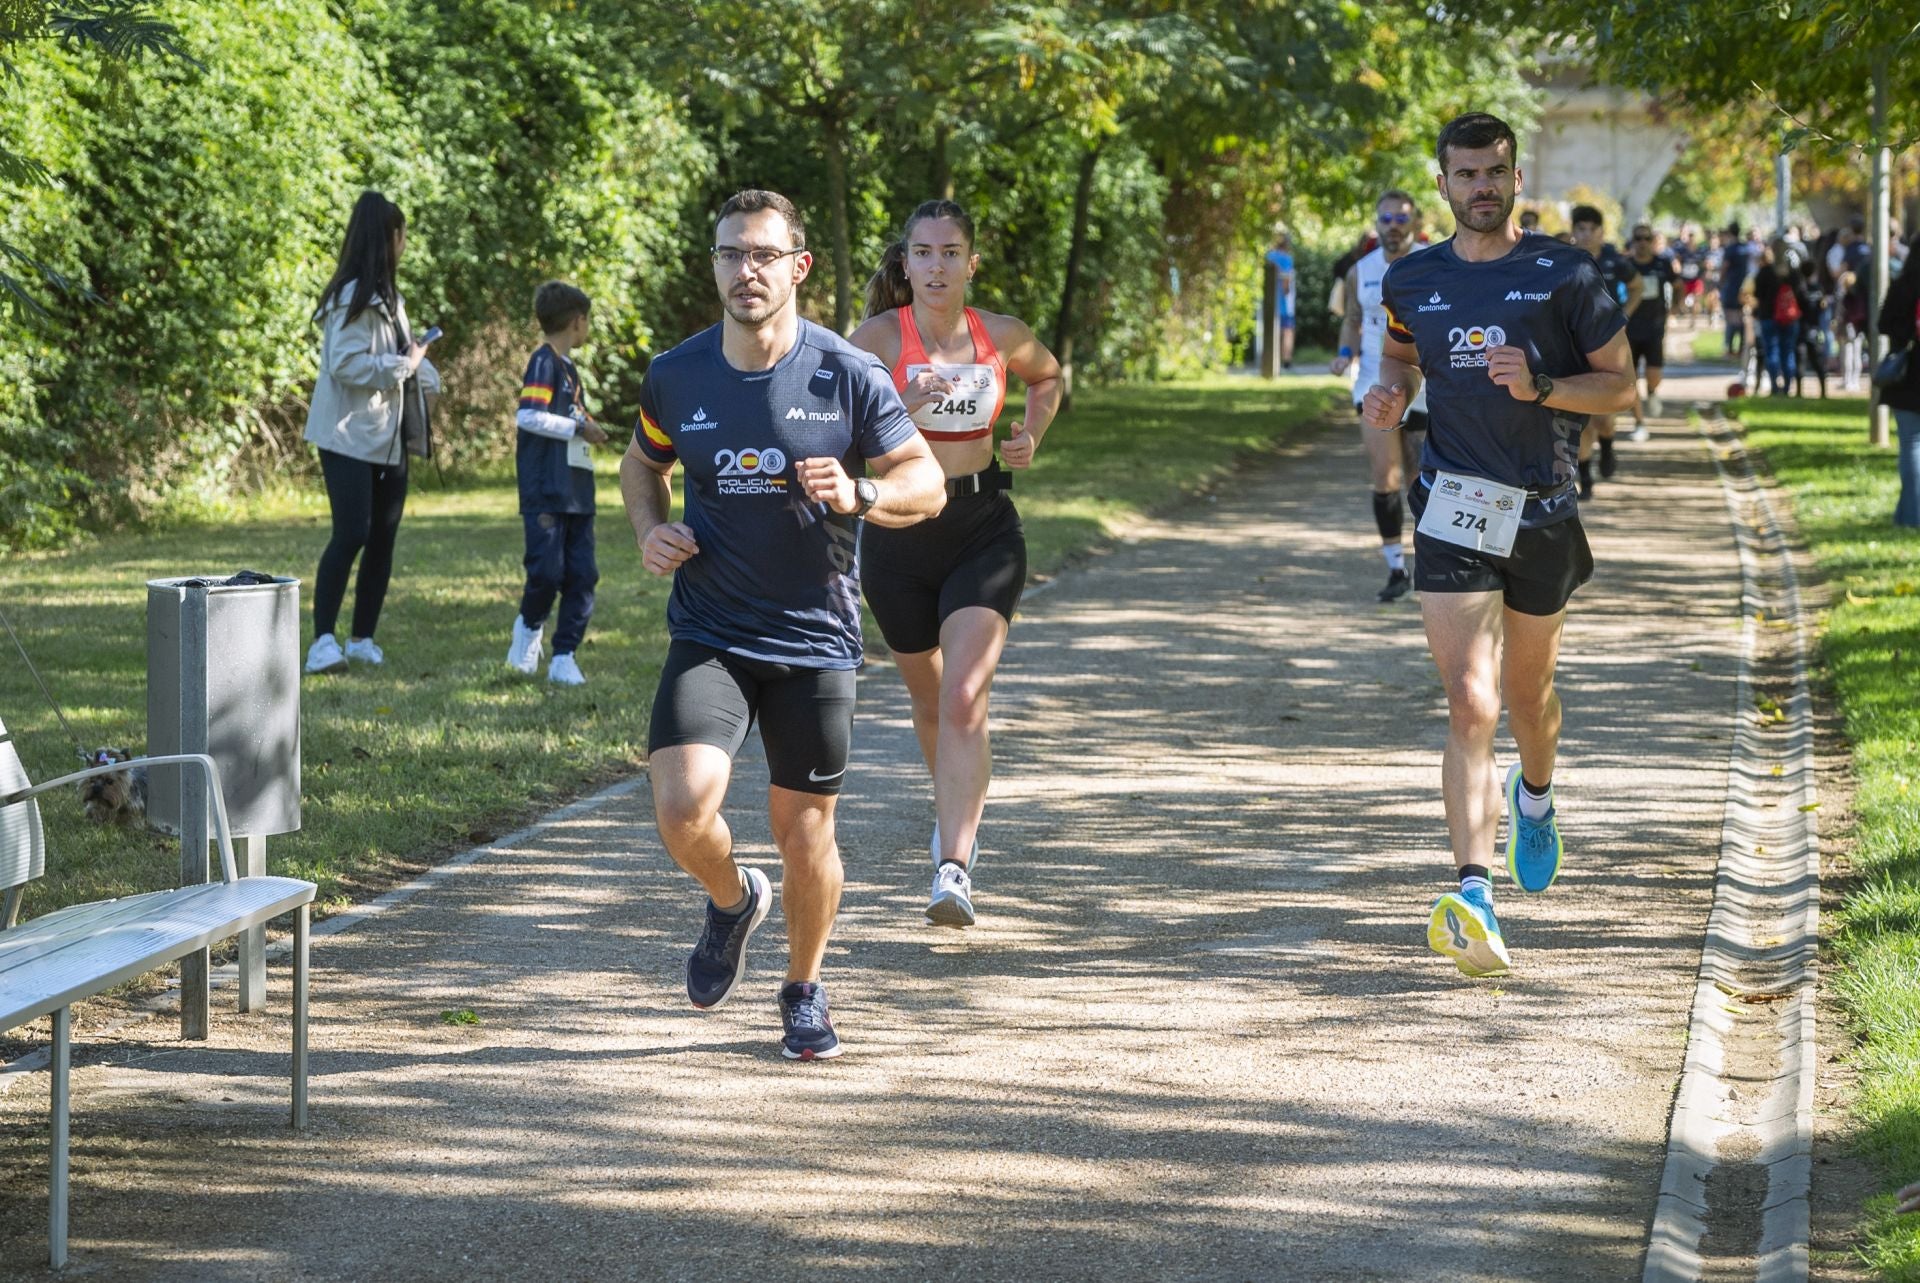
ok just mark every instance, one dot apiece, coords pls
pixel 836 131
pixel 1070 285
pixel 942 175
pixel 1882 164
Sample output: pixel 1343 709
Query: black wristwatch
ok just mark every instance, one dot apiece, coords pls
pixel 867 493
pixel 1544 386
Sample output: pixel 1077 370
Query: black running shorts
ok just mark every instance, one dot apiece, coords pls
pixel 1537 578
pixel 972 554
pixel 1650 349
pixel 709 696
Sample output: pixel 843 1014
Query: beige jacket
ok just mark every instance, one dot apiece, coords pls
pixel 356 405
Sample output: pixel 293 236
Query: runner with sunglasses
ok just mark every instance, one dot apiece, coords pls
pixel 1391 457
pixel 944 592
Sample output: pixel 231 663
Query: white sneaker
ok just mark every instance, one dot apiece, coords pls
pixel 363 651
pixel 1656 409
pixel 325 655
pixel 1640 432
pixel 951 904
pixel 564 672
pixel 523 654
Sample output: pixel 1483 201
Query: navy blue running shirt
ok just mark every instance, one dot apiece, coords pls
pixel 777 576
pixel 1546 298
pixel 548 483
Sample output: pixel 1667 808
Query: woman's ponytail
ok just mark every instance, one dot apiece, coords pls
pixel 889 288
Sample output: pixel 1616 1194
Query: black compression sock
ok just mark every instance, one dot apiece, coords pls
pixel 1388 515
pixel 1474 871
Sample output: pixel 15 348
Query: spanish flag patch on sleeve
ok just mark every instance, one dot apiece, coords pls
pixel 536 396
pixel 659 440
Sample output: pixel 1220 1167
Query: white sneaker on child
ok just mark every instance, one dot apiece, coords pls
pixel 564 672
pixel 325 655
pixel 523 653
pixel 361 650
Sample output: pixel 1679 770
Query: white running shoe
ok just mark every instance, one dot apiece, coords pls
pixel 325 655
pixel 1656 409
pixel 1639 433
pixel 523 654
pixel 363 651
pixel 952 902
pixel 564 672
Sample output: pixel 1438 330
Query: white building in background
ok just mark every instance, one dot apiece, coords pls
pixel 1609 140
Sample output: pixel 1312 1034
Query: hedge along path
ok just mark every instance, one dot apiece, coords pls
pixel 1197 1033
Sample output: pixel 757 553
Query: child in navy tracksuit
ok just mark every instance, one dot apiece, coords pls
pixel 555 468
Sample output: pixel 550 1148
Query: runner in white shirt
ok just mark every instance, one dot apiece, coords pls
pixel 1392 458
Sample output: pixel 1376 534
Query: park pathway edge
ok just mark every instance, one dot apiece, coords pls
pixel 1762 938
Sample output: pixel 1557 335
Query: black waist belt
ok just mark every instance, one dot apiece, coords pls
pixel 984 482
pixel 1533 492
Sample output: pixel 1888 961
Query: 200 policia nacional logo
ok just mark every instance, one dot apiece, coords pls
pixel 1468 344
pixel 750 471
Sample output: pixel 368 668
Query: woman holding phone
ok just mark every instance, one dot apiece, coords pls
pixel 369 410
pixel 944 591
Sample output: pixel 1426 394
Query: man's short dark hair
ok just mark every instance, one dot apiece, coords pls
pixel 1857 225
pixel 1395 194
pixel 1527 214
pixel 1586 214
pixel 753 200
pixel 1475 130
pixel 556 303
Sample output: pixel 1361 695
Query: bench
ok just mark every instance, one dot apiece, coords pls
pixel 50 962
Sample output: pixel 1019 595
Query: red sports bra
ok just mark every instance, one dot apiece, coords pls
pixel 942 421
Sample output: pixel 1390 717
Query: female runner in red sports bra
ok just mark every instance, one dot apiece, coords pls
pixel 945 590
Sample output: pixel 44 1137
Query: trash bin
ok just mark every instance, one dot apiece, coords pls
pixel 231 647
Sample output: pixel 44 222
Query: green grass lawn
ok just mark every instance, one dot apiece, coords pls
pixel 1843 492
pixel 443 747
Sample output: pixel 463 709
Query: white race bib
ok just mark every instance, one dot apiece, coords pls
pixel 579 453
pixel 1473 512
pixel 968 408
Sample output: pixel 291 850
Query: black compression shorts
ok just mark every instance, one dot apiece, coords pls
pixel 972 554
pixel 709 696
pixel 1537 578
pixel 1649 349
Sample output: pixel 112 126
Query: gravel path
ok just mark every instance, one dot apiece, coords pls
pixel 1196 1035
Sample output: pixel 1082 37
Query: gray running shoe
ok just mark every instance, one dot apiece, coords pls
pixel 952 902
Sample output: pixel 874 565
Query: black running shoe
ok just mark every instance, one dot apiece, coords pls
pixel 719 960
pixel 803 1012
pixel 1586 478
pixel 1399 584
pixel 1608 464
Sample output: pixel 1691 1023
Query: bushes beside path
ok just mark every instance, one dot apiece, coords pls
pixel 443 748
pixel 1843 494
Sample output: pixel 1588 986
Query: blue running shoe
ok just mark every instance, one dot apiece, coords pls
pixel 719 960
pixel 952 902
pixel 1533 846
pixel 1463 928
pixel 809 1030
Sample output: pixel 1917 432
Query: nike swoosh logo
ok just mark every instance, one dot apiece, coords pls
pixel 818 778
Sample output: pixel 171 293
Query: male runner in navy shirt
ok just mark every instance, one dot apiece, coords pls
pixel 1518 341
pixel 772 419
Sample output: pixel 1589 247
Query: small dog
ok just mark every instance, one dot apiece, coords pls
pixel 120 798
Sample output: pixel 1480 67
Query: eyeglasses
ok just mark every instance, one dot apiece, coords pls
pixel 1638 237
pixel 730 257
pixel 1395 219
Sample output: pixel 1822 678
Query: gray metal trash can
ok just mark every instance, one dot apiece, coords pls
pixel 240 645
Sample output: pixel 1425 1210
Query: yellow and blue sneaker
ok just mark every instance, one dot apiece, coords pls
pixel 1463 928
pixel 1533 846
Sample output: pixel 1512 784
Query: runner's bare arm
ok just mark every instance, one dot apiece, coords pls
pixel 1030 361
pixel 911 483
pixel 1605 389
pixel 1386 401
pixel 1349 324
pixel 1636 292
pixel 648 497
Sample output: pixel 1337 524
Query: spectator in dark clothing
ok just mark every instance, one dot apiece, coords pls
pixel 1780 303
pixel 1899 320
pixel 1733 275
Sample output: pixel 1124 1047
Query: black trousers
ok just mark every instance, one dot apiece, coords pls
pixel 367 500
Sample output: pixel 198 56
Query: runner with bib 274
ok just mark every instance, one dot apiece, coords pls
pixel 1517 340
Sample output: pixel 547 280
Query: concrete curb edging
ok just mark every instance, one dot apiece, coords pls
pixel 1762 934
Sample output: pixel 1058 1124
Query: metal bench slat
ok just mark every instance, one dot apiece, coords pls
pixel 30 938
pixel 87 954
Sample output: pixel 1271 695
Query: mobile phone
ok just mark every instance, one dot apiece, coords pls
pixel 432 334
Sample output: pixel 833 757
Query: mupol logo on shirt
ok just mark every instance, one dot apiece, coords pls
pixel 1435 305
pixel 1515 296
pixel 700 422
pixel 814 416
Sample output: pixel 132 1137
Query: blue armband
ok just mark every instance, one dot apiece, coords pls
pixel 1346 351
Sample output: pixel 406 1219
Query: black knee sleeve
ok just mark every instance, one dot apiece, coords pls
pixel 1388 514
